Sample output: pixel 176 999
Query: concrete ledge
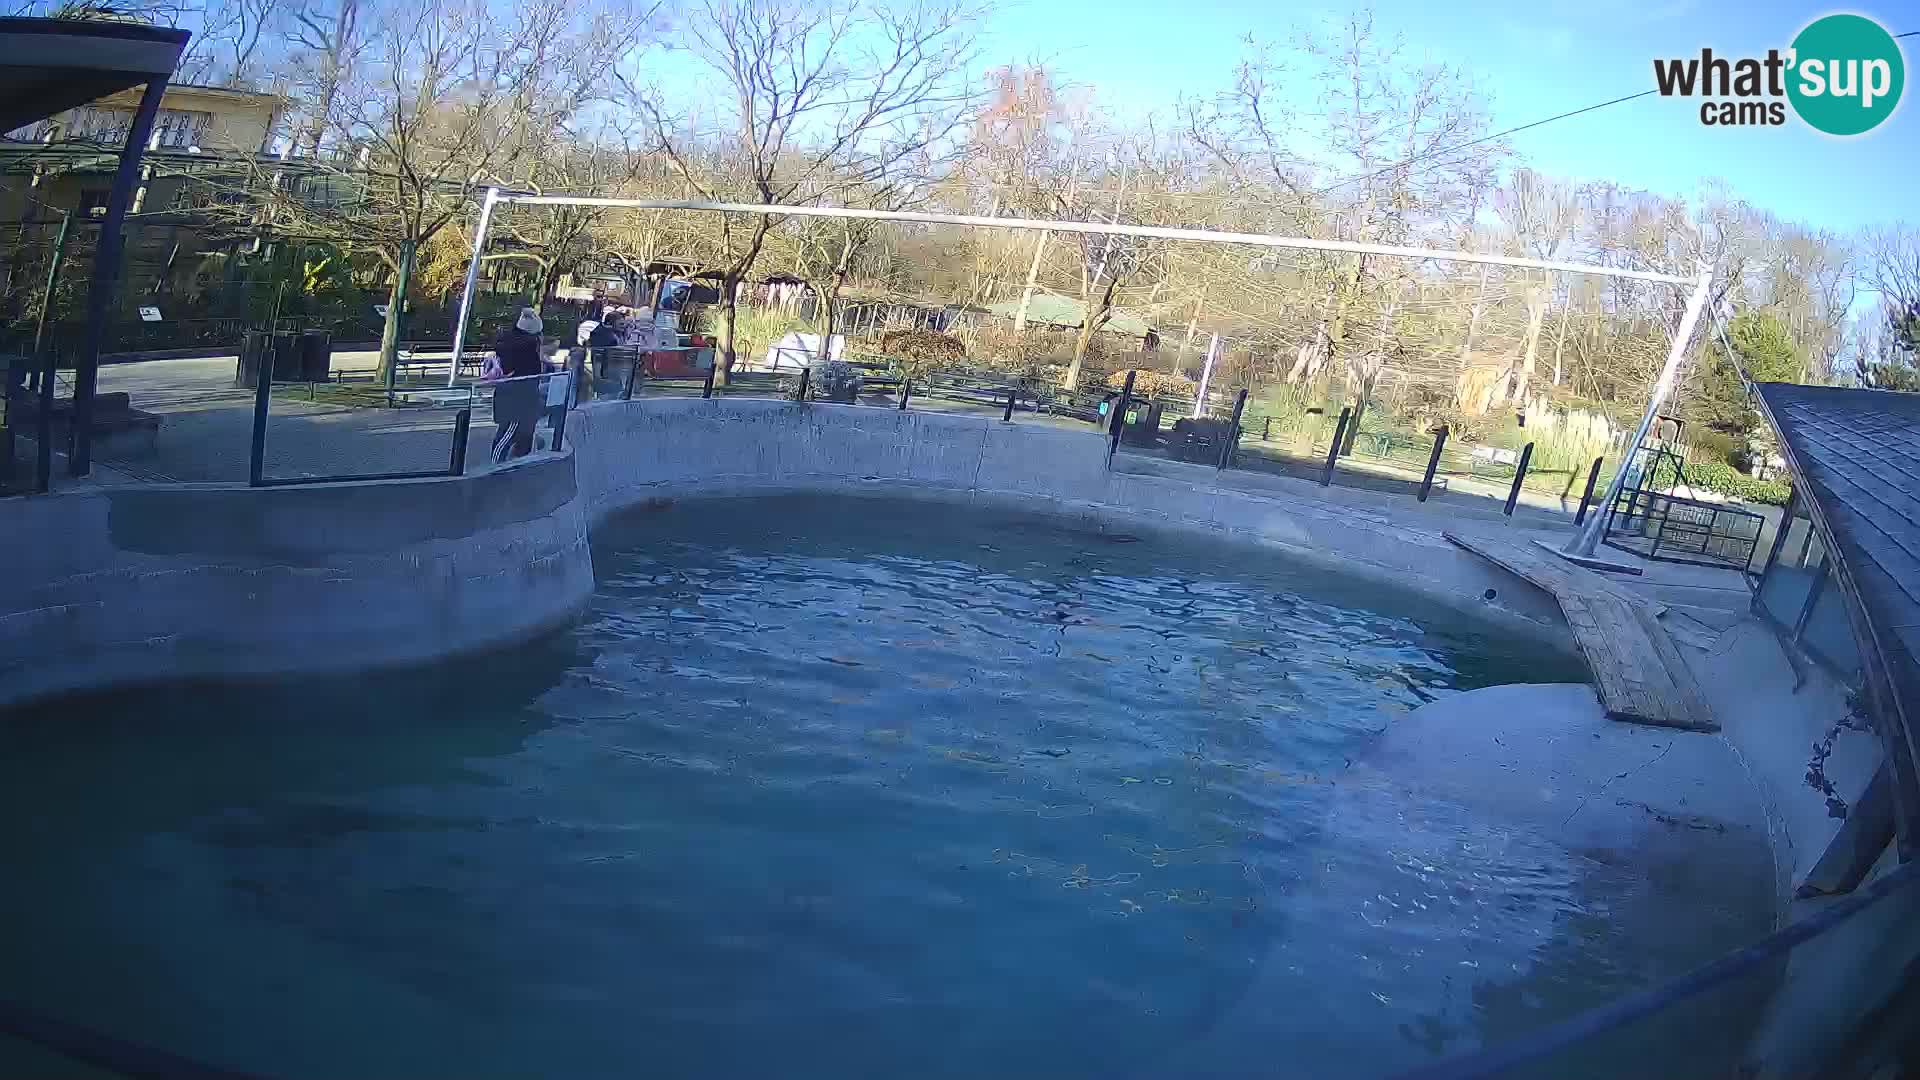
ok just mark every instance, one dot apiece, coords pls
pixel 124 585
pixel 631 452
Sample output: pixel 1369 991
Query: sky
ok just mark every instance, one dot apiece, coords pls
pixel 1532 60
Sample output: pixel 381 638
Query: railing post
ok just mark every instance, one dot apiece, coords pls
pixel 1586 496
pixel 1519 474
pixel 707 390
pixel 906 390
pixel 801 393
pixel 1233 431
pixel 1333 452
pixel 262 396
pixel 1119 418
pixel 1266 430
pixel 633 374
pixel 457 463
pixel 1433 461
pixel 1008 415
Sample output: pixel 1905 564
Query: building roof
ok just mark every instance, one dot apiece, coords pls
pixel 1053 309
pixel 52 65
pixel 1856 455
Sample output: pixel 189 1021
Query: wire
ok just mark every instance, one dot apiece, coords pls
pixel 1484 138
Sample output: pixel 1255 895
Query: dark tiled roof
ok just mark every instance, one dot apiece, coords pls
pixel 1859 452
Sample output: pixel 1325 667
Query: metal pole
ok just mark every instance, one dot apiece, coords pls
pixel 19 367
pixel 106 279
pixel 707 390
pixel 1333 452
pixel 1586 496
pixel 1519 474
pixel 473 278
pixel 906 389
pixel 1433 461
pixel 633 373
pixel 801 393
pixel 1096 228
pixel 457 464
pixel 1586 540
pixel 262 394
pixel 1266 430
pixel 1233 431
pixel 1119 418
pixel 1206 375
pixel 1008 415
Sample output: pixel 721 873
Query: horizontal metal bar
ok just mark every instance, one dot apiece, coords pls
pixel 1209 236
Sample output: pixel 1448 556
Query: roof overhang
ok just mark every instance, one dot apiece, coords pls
pixel 65 63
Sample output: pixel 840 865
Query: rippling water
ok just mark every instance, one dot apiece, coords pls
pixel 817 788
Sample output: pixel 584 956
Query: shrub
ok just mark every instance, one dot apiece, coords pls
pixel 1154 384
pixel 1720 477
pixel 835 380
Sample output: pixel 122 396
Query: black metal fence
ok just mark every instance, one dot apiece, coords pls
pixel 1671 528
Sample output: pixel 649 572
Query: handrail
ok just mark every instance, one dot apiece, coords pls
pixel 1528 1049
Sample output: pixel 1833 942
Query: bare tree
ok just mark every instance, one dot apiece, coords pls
pixel 821 96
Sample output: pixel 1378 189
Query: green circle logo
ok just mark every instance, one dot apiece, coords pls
pixel 1846 76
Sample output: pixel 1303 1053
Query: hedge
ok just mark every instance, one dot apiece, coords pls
pixel 1718 476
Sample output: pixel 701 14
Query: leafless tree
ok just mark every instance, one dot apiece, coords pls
pixel 820 95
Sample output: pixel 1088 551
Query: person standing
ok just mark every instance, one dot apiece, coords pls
pixel 517 404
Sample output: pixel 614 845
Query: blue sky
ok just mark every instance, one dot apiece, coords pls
pixel 1533 60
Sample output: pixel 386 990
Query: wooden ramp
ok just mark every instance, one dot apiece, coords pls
pixel 1638 670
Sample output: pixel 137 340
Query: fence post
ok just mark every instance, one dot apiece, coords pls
pixel 457 464
pixel 1433 462
pixel 1519 474
pixel 707 390
pixel 1586 496
pixel 1333 452
pixel 633 374
pixel 1266 430
pixel 801 393
pixel 1233 431
pixel 906 390
pixel 262 395
pixel 1119 418
pixel 1008 415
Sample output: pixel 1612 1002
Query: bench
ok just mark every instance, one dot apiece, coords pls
pixel 1494 461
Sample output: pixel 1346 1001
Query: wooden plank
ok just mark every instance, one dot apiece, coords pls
pixel 1638 672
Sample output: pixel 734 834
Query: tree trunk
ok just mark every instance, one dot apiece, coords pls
pixel 1033 275
pixel 1536 314
pixel 824 297
pixel 396 316
pixel 1559 343
pixel 729 310
pixel 1089 326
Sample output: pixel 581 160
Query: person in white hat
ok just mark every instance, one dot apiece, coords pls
pixel 517 404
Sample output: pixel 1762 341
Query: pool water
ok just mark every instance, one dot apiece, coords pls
pixel 818 787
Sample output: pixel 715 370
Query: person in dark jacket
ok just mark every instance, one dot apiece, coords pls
pixel 517 405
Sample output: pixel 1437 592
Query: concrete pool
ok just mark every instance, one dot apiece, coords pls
pixel 359 591
pixel 859 787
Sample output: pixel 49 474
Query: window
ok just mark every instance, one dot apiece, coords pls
pixel 173 129
pixel 1799 596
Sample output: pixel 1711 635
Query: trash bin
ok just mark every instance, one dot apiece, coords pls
pixel 316 356
pixel 253 345
pixel 1142 424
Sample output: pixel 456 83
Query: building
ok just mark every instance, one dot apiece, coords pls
pixel 1841 586
pixel 66 162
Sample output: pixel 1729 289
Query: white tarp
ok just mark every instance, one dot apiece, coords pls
pixel 795 351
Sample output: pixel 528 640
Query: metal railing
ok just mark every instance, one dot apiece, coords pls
pixel 1671 528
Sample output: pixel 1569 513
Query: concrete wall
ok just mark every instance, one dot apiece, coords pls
pixel 631 452
pixel 119 585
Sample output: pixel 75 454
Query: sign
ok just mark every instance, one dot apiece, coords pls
pixel 380 310
pixel 149 314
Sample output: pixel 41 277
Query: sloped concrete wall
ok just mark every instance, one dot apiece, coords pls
pixel 122 585
pixel 634 451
